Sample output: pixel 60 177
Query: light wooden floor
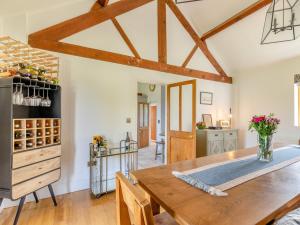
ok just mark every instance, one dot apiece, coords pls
pixel 73 209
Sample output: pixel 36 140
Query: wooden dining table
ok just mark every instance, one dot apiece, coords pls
pixel 258 201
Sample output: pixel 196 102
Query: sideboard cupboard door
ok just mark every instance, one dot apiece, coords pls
pixel 34 184
pixel 230 141
pixel 215 142
pixel 230 145
pixel 215 147
pixel 34 156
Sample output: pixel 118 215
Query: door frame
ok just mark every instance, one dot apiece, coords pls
pixel 180 133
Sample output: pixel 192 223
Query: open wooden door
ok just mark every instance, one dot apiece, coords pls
pixel 153 119
pixel 143 125
pixel 181 119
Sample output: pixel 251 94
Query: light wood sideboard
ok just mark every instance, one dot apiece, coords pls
pixel 211 142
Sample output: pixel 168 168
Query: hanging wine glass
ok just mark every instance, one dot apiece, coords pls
pixel 20 96
pixel 33 100
pixel 48 99
pixel 39 98
pixel 27 99
pixel 15 95
pixel 44 100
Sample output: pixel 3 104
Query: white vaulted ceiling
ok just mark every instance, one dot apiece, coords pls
pixel 237 48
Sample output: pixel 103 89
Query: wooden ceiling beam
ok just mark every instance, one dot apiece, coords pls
pixel 103 2
pixel 189 57
pixel 87 20
pixel 121 31
pixel 76 50
pixel 195 37
pixel 237 17
pixel 125 38
pixel 162 31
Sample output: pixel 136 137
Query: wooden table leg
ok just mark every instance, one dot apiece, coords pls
pixel 155 206
pixel 52 194
pixel 21 204
pixel 35 197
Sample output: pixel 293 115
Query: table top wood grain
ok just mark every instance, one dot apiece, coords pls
pixel 257 201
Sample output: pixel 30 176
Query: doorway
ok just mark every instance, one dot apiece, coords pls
pixel 151 121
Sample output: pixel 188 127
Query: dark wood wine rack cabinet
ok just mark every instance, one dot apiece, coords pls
pixel 30 137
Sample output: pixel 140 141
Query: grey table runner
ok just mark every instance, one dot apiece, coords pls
pixel 218 177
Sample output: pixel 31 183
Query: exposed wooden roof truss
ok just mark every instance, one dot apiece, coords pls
pixel 50 38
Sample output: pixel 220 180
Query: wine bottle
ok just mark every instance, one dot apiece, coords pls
pixel 29 134
pixel 18 145
pixel 29 144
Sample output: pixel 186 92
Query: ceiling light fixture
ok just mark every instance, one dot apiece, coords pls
pixel 185 1
pixel 282 22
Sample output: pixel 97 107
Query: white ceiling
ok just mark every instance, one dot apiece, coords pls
pixel 238 46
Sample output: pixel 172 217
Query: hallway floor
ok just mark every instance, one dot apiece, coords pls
pixel 147 157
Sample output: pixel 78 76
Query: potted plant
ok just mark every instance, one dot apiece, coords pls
pixel 265 126
pixel 200 125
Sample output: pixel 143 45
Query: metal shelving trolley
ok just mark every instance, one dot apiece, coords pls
pixel 105 162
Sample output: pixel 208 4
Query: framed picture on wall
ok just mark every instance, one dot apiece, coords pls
pixel 207 119
pixel 206 98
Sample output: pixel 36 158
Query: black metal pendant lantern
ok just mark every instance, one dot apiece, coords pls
pixel 282 22
pixel 185 1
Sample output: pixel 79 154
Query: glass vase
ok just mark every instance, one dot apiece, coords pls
pixel 265 148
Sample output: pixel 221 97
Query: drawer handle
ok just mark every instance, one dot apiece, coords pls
pixel 41 154
pixel 40 182
pixel 230 134
pixel 216 135
pixel 40 168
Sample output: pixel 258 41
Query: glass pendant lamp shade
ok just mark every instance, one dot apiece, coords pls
pixel 282 21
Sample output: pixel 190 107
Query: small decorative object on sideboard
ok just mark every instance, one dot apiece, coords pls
pixel 207 119
pixel 265 126
pixel 200 125
pixel 224 123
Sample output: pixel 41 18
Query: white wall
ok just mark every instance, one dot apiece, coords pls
pixel 97 97
pixel 222 100
pixel 264 90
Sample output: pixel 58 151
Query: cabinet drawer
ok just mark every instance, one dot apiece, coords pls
pixel 28 172
pixel 230 135
pixel 34 184
pixel 34 156
pixel 215 136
